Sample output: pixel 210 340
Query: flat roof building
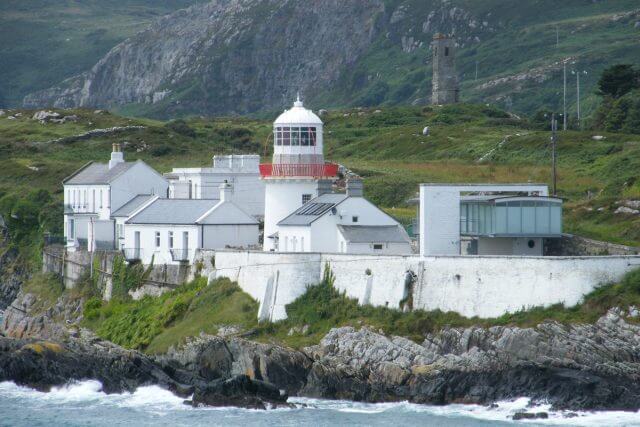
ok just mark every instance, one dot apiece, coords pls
pixel 487 219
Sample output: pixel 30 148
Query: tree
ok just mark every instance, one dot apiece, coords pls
pixel 618 80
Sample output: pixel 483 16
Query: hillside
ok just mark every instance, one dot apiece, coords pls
pixel 44 43
pixel 249 56
pixel 468 143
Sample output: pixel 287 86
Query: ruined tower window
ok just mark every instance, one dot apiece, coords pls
pixel 446 51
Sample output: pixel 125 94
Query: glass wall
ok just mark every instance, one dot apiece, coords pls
pixel 511 217
pixel 296 136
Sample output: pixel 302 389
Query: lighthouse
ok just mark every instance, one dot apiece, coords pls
pixel 298 172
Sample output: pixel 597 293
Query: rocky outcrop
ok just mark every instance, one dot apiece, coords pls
pixel 227 56
pixel 578 367
pixel 12 272
pixel 240 391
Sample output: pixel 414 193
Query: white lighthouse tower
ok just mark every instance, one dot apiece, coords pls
pixel 298 167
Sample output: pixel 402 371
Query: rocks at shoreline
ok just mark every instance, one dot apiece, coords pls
pixel 240 391
pixel 577 367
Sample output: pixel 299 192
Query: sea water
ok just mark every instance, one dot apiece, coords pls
pixel 84 404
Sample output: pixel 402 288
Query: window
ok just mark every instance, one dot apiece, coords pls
pixel 195 191
pixel 446 51
pixel 72 229
pixel 157 239
pixel 295 136
pixel 286 137
pixel 100 199
pixel 377 246
pixel 278 136
pixel 93 201
pixel 306 198
pixel 531 244
pixel 354 219
pixel 171 239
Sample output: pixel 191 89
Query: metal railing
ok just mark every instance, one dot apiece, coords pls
pixel 284 169
pixel 132 254
pixel 180 254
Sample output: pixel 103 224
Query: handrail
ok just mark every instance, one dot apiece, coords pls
pixel 299 169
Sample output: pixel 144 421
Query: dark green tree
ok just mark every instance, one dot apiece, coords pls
pixel 618 80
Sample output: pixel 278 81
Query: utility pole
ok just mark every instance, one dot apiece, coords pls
pixel 554 157
pixel 564 96
pixel 578 95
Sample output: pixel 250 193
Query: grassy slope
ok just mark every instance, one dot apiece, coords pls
pixel 44 42
pixel 387 148
pixel 155 324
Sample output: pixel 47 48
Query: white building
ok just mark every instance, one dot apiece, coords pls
pixel 95 191
pixel 487 219
pixel 344 223
pixel 168 231
pixel 241 171
pixel 298 171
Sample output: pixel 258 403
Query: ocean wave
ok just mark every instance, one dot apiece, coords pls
pixel 160 402
pixel 503 412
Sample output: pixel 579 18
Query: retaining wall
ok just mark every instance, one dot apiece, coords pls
pixel 483 286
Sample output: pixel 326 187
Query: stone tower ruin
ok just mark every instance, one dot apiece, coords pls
pixel 445 81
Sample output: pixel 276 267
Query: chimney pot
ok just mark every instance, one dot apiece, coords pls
pixel 355 187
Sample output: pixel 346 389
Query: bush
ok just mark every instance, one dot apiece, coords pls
pixel 181 127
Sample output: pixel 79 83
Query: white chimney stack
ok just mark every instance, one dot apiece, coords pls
pixel 116 155
pixel 226 191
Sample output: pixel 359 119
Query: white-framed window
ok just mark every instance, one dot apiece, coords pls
pixel 354 219
pixel 100 199
pixel 157 239
pixel 170 238
pixel 306 198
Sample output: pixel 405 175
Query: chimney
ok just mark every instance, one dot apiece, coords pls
pixel 324 186
pixel 226 191
pixel 355 187
pixel 116 155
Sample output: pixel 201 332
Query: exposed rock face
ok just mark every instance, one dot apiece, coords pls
pixel 578 367
pixel 12 273
pixel 230 55
pixel 240 391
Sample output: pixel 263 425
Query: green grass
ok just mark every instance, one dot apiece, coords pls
pixel 154 324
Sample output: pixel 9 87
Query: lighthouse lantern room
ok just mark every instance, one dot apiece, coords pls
pixel 298 165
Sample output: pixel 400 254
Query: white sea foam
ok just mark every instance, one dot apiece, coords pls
pixel 157 401
pixel 503 412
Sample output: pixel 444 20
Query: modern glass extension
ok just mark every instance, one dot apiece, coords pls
pixel 511 217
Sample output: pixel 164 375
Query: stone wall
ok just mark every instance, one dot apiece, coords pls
pixel 73 266
pixel 572 245
pixel 483 286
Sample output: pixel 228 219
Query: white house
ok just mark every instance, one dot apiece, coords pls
pixel 168 231
pixel 241 171
pixel 487 219
pixel 344 223
pixel 95 191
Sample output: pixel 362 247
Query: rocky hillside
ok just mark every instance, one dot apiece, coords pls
pixel 243 56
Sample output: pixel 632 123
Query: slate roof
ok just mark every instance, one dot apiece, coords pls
pixel 132 205
pixel 173 211
pixel 374 233
pixel 97 173
pixel 314 209
pixel 227 213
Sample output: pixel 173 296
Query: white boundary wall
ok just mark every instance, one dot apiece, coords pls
pixel 483 286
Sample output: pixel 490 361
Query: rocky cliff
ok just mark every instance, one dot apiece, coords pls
pixel 242 56
pixel 227 56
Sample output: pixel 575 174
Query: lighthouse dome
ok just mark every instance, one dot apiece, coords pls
pixel 298 115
